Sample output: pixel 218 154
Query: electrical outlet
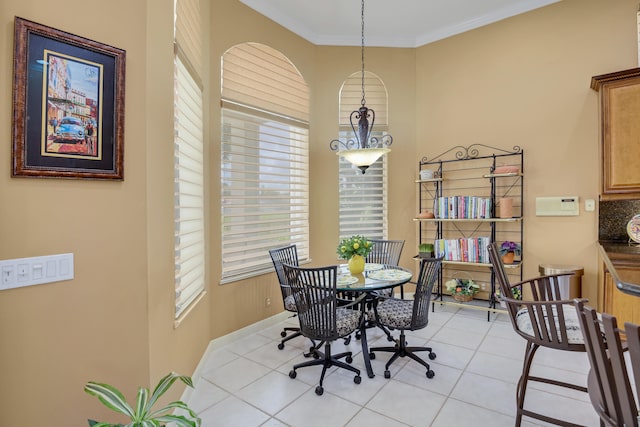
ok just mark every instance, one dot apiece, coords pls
pixel 267 302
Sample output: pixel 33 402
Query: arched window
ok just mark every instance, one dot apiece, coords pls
pixel 264 159
pixel 363 197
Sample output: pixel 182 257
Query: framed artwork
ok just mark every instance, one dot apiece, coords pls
pixel 68 105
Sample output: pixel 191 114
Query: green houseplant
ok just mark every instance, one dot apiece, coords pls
pixel 425 250
pixel 142 415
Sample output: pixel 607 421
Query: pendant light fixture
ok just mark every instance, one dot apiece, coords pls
pixel 365 149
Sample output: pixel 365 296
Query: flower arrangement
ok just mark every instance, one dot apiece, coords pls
pixel 508 246
pixel 462 289
pixel 354 245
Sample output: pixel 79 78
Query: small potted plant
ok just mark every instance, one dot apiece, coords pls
pixel 508 251
pixel 142 414
pixel 425 250
pixel 355 249
pixel 462 290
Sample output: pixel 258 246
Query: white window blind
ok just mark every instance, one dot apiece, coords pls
pixel 264 160
pixel 363 197
pixel 189 227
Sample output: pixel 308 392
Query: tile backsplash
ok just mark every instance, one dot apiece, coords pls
pixel 613 217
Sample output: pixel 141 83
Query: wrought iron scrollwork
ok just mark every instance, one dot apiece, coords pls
pixel 473 151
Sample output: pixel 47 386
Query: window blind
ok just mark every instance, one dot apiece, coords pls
pixel 189 226
pixel 363 197
pixel 264 160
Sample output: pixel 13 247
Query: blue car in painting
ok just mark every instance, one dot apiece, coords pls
pixel 70 130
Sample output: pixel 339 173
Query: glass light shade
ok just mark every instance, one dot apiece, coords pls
pixel 363 157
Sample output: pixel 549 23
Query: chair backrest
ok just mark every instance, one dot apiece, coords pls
pixel 280 256
pixel 501 277
pixel 632 331
pixel 429 269
pixel 385 251
pixel 284 255
pixel 315 293
pixel 609 387
pixel 530 316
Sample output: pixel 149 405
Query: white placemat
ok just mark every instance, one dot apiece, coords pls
pixel 369 266
pixel 345 280
pixel 390 274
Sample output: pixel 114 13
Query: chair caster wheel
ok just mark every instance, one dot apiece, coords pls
pixel 372 356
pixel 357 335
pixel 280 346
pixel 357 379
pixel 315 355
pixel 319 390
pixel 293 374
pixel 430 374
pixel 390 338
pixel 283 334
pixel 348 359
pixel 347 340
pixel 387 374
pixel 432 356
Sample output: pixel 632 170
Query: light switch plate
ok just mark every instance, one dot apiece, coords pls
pixel 16 273
pixel 589 205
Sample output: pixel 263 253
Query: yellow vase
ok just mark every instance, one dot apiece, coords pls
pixel 356 264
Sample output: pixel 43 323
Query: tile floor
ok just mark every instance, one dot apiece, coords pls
pixel 243 379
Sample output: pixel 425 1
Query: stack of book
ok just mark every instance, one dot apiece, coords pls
pixel 472 249
pixel 463 207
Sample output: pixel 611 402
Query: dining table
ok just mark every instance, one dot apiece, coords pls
pixel 368 284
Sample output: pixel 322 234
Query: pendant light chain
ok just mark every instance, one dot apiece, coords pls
pixel 362 150
pixel 362 53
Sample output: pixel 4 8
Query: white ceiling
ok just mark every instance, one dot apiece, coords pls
pixel 388 23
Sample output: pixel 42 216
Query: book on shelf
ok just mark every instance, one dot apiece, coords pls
pixel 471 249
pixel 462 207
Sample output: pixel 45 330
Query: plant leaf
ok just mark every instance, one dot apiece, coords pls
pixel 110 396
pixel 164 385
pixel 141 403
pixel 180 420
pixel 173 405
pixel 93 423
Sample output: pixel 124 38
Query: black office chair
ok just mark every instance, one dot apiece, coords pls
pixel 321 317
pixel 608 382
pixel 543 320
pixel 408 315
pixel 279 256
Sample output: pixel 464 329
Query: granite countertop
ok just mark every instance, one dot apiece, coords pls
pixel 617 251
pixel 614 247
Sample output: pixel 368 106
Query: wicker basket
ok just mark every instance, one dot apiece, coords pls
pixel 462 297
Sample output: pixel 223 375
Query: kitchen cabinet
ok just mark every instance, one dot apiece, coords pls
pixel 619 95
pixel 625 307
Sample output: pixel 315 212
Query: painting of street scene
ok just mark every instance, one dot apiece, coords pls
pixel 73 107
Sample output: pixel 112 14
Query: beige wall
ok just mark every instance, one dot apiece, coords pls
pixel 523 81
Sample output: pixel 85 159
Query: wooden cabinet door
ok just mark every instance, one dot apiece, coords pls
pixel 620 133
pixel 625 307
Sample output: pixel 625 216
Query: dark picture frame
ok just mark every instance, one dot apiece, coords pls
pixel 68 105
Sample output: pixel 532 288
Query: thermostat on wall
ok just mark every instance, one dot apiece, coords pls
pixel 557 206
